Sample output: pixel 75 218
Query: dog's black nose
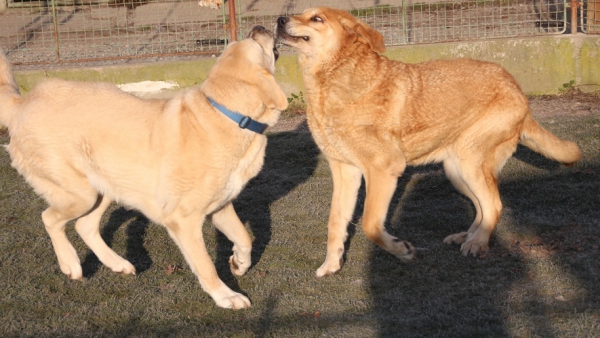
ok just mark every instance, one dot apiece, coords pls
pixel 282 20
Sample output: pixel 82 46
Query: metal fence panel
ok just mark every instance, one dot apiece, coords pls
pixel 430 21
pixel 45 32
pixel 42 32
pixel 590 21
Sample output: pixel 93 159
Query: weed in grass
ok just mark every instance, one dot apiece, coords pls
pixel 568 86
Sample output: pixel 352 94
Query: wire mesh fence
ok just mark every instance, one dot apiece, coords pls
pixel 51 31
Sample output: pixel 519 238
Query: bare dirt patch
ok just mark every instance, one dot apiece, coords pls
pixel 571 103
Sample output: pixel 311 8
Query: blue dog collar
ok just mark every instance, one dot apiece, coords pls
pixel 243 121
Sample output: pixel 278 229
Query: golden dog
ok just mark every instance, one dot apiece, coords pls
pixel 83 145
pixel 372 116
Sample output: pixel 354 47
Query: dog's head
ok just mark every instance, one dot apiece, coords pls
pixel 318 33
pixel 245 72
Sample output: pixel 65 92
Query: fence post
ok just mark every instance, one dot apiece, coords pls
pixel 232 20
pixel 55 21
pixel 3 5
pixel 574 11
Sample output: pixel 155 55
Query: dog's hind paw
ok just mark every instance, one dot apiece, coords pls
pixel 71 267
pixel 402 250
pixel 125 268
pixel 458 238
pixel 74 272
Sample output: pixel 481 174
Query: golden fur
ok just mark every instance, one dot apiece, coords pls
pixel 83 145
pixel 373 116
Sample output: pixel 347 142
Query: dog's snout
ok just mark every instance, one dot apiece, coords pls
pixel 282 20
pixel 258 30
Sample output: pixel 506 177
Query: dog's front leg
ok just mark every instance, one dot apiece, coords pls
pixel 228 222
pixel 187 234
pixel 346 182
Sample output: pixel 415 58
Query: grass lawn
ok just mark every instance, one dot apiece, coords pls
pixel 541 277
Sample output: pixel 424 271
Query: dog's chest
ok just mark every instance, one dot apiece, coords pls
pixel 247 168
pixel 327 137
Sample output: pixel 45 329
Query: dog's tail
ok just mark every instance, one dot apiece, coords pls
pixel 9 91
pixel 544 142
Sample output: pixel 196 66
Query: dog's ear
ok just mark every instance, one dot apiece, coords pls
pixel 373 37
pixel 270 92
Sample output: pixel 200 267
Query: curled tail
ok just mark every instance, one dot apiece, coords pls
pixel 544 142
pixel 9 91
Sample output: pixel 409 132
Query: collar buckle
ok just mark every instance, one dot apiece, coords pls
pixel 245 122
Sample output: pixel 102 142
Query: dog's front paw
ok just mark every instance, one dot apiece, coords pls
pixel 238 267
pixel 330 268
pixel 474 248
pixel 234 301
pixel 458 238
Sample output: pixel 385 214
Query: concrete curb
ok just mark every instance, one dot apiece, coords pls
pixel 541 65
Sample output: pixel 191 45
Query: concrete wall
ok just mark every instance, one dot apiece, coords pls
pixel 541 64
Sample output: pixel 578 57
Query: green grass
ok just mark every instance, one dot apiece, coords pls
pixel 540 278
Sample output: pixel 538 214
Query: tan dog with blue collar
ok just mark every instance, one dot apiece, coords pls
pixel 83 145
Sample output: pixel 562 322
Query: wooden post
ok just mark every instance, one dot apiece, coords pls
pixel 3 5
pixel 574 11
pixel 232 20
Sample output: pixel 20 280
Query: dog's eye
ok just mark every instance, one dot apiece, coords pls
pixel 316 18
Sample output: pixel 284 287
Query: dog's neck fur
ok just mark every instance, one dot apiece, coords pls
pixel 260 113
pixel 334 71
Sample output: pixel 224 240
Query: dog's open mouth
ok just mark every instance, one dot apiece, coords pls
pixel 286 38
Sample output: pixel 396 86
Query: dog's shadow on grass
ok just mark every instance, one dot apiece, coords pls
pixel 445 293
pixel 136 254
pixel 291 159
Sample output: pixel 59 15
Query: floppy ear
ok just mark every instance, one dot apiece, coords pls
pixel 373 37
pixel 270 92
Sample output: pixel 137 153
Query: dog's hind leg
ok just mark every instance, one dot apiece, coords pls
pixel 88 227
pixel 481 185
pixel 475 174
pixel 453 172
pixel 186 231
pixel 228 222
pixel 346 182
pixel 65 206
pixel 380 189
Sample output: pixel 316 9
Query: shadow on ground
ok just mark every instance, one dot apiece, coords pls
pixel 536 277
pixel 290 160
